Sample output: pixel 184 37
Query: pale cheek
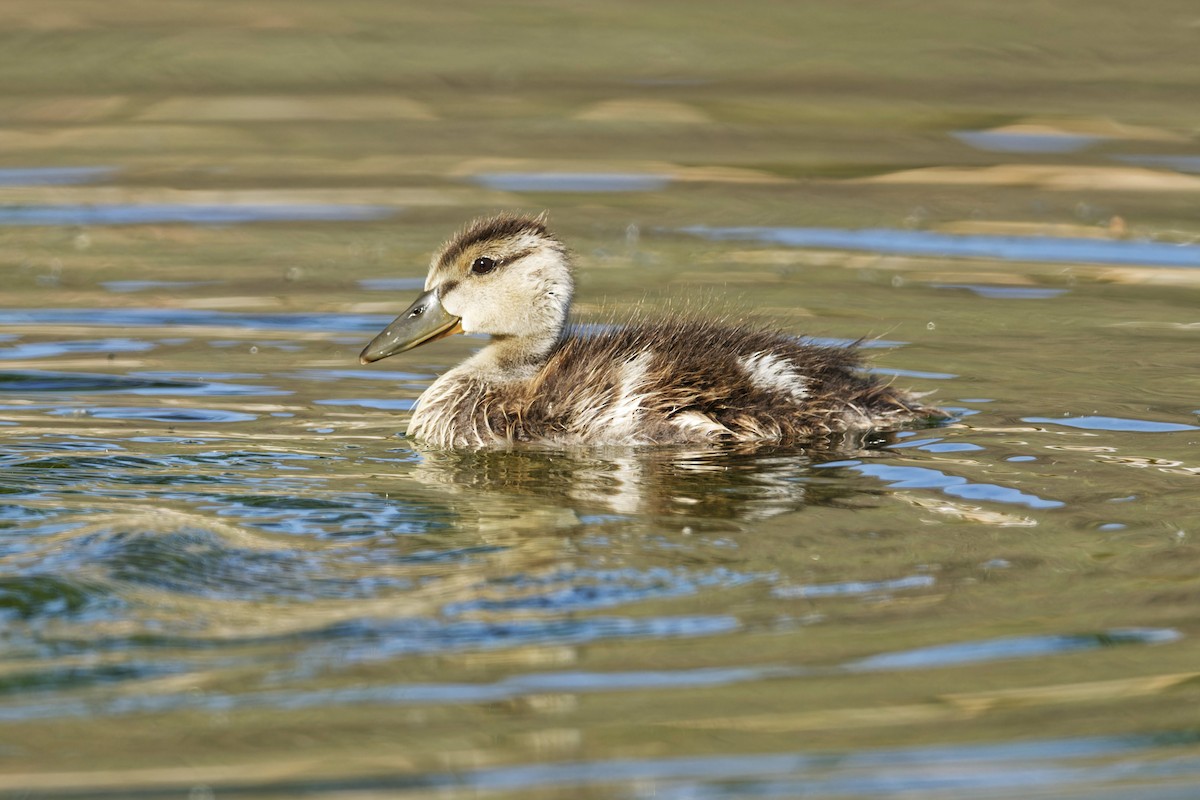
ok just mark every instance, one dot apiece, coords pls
pixel 462 305
pixel 472 322
pixel 482 321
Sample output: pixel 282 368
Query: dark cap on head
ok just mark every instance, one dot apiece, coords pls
pixel 500 226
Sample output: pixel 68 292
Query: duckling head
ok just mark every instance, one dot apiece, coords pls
pixel 506 276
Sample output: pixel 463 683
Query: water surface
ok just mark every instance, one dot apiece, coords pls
pixel 224 572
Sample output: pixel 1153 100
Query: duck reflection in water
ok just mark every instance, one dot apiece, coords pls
pixel 714 482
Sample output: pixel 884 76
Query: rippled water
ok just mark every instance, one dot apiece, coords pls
pixel 225 573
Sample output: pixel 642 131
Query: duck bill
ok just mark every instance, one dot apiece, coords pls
pixel 424 321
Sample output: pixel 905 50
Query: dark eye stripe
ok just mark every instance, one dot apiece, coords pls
pixel 486 264
pixel 516 257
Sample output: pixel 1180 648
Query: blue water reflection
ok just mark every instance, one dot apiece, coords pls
pixel 137 383
pixel 1013 142
pixel 41 350
pixel 1177 163
pixel 1099 423
pixel 391 284
pixel 160 214
pixel 933 244
pixel 851 588
pixel 176 317
pixel 167 414
pixel 959 653
pixel 54 176
pixel 123 287
pixel 907 477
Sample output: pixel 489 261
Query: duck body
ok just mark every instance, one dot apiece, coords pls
pixel 671 382
pixel 675 381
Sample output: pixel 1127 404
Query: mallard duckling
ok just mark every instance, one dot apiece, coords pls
pixel 676 381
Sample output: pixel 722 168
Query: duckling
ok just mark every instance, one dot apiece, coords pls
pixel 542 381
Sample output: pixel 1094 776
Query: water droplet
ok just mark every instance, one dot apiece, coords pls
pixel 916 218
pixel 930 326
pixel 253 349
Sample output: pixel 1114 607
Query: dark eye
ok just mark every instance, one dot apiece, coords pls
pixel 483 265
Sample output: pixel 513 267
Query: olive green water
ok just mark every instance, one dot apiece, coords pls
pixel 224 574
